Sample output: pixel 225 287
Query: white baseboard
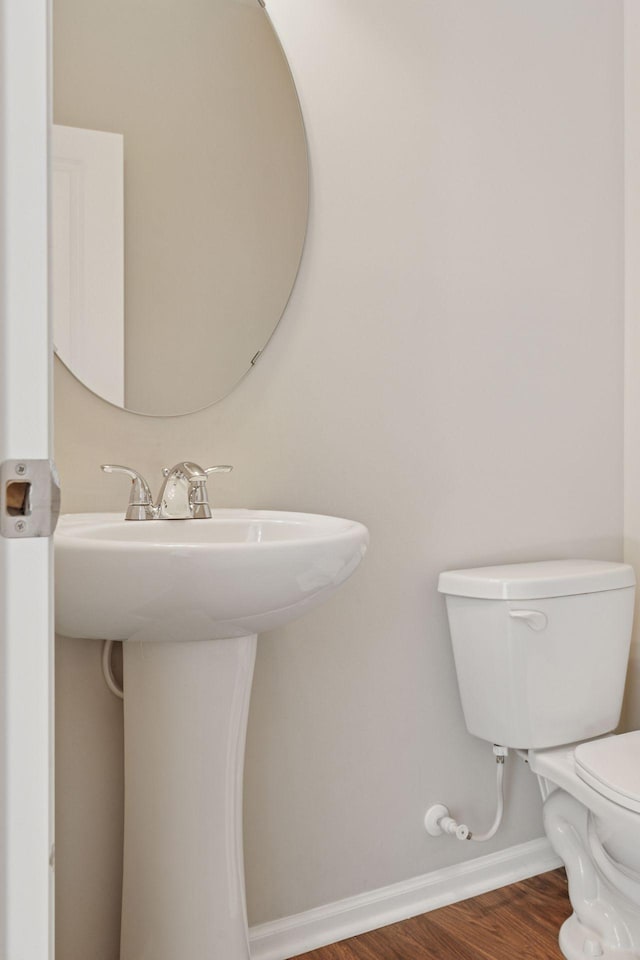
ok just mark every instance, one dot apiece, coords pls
pixel 290 936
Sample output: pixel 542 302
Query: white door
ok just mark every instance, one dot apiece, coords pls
pixel 26 624
pixel 87 269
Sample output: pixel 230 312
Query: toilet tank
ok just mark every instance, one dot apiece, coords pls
pixel 541 649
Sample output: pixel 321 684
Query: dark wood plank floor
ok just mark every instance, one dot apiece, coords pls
pixel 522 920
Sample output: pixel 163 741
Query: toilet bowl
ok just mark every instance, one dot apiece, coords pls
pixel 598 839
pixel 541 652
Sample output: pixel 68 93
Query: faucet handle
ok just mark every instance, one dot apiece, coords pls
pixel 140 500
pixel 198 498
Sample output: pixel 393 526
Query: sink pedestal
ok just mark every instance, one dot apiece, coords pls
pixel 174 591
pixel 185 720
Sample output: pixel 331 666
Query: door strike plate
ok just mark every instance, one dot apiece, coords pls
pixel 29 498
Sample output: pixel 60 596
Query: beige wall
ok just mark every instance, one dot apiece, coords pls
pixel 449 371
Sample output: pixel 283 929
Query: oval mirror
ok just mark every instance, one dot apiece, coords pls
pixel 180 194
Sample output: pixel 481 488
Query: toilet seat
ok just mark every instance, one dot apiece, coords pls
pixel 611 766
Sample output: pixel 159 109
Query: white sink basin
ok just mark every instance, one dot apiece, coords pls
pixel 202 590
pixel 240 573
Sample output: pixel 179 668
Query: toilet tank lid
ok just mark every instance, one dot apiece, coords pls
pixel 532 581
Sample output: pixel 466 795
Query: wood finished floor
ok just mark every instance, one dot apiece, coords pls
pixel 520 921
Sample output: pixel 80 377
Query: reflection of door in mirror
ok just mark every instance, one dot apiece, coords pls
pixel 201 98
pixel 88 256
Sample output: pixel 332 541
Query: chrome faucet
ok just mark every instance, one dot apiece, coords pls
pixel 184 492
pixel 183 495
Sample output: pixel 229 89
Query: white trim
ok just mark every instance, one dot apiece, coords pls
pixel 26 621
pixel 632 293
pixel 290 936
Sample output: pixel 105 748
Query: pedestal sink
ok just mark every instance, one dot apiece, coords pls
pixel 189 598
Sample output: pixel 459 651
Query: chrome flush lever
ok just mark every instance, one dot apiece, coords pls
pixel 534 619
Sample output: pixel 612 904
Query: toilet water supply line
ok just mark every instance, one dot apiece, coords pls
pixel 438 819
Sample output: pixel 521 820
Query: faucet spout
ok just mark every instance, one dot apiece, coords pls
pixel 184 487
pixel 191 471
pixel 184 492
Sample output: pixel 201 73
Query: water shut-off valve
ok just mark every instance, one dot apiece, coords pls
pixel 438 820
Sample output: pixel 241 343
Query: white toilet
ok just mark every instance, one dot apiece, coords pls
pixel 541 654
